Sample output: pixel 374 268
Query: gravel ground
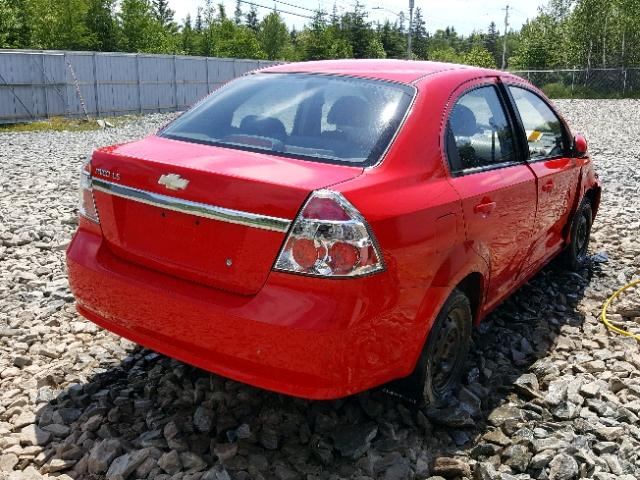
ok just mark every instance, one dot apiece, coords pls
pixel 550 394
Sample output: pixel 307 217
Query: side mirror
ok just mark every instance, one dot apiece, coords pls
pixel 579 146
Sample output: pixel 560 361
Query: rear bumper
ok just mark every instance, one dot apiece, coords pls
pixel 298 335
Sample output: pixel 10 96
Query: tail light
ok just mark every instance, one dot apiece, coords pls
pixel 87 207
pixel 330 238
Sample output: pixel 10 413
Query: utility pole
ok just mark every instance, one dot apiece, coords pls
pixel 504 43
pixel 410 28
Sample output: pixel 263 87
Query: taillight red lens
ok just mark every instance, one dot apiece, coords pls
pixel 304 252
pixel 324 209
pixel 330 238
pixel 344 257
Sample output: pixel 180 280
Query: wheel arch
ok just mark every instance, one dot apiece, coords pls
pixel 463 269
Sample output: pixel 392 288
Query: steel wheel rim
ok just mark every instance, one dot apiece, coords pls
pixel 447 354
pixel 582 236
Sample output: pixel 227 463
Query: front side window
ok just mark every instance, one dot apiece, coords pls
pixel 542 126
pixel 317 117
pixel 478 132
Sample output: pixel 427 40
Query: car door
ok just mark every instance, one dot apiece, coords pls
pixel 548 156
pixel 496 187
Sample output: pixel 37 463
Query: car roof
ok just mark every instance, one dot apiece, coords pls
pixel 404 71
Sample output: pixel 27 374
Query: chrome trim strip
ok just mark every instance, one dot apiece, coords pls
pixel 213 212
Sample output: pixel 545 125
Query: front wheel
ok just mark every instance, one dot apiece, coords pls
pixel 441 364
pixel 575 255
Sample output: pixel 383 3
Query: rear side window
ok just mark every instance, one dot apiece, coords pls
pixel 478 132
pixel 325 118
pixel 542 126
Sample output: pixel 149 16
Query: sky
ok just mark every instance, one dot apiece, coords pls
pixel 465 15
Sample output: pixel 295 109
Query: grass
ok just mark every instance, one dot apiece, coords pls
pixel 60 124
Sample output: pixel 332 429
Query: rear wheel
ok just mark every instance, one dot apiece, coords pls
pixel 575 255
pixel 441 365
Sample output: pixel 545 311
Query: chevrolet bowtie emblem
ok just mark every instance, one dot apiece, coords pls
pixel 173 181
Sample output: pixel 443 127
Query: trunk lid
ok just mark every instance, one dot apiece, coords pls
pixel 224 227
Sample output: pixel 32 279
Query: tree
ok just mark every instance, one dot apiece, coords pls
pixel 141 31
pixel 8 25
pixel 164 14
pixel 188 38
pixel 237 13
pixel 252 19
pixel 392 39
pixel 357 31
pixel 420 37
pixel 102 25
pixel 273 36
pixel 320 41
pixel 492 42
pixel 479 56
pixel 540 44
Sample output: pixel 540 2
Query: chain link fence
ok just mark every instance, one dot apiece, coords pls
pixel 586 83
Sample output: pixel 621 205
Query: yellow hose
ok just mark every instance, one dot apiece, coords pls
pixel 606 321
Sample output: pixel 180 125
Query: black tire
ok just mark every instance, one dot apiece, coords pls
pixel 442 361
pixel 575 254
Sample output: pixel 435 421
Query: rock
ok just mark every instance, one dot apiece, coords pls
pixel 398 470
pixel 497 437
pixel 34 435
pixel 590 390
pixel 25 418
pixel 203 419
pixel 485 471
pixel 609 434
pixel 102 454
pixel 58 465
pixel 504 414
pixel 457 417
pixel 21 361
pixel 58 430
pixel 8 461
pixel 557 392
pixel 451 467
pixel 170 462
pixel 216 473
pixel 192 462
pixel 268 439
pixel 126 464
pixel 225 451
pixel 563 467
pixel 354 440
pixel 541 460
pixel 517 457
pixel 527 385
pixel 284 473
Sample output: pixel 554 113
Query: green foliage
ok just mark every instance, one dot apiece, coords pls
pixel 445 54
pixel 479 56
pixel 274 36
pixel 564 34
pixel 556 90
pixel 141 30
pixel 102 25
pixel 8 24
pixel 420 40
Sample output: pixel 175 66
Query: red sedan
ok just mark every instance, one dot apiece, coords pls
pixel 322 228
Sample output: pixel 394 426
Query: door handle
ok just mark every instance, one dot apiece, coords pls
pixel 547 187
pixel 486 207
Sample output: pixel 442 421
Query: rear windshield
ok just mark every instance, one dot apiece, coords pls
pixel 324 118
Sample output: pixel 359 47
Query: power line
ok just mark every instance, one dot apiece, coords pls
pixel 296 6
pixel 279 10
